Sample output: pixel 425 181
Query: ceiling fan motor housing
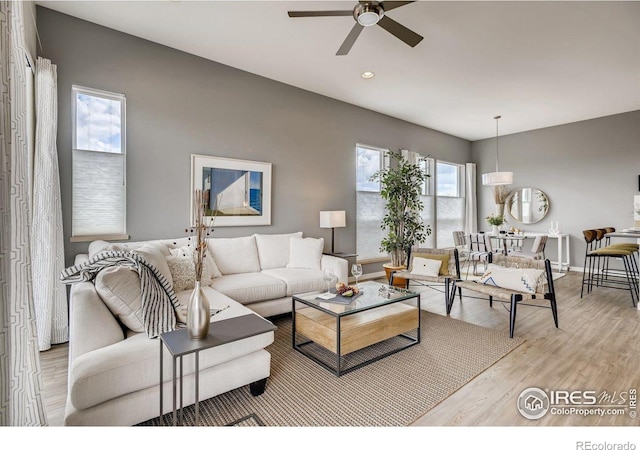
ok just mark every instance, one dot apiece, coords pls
pixel 368 14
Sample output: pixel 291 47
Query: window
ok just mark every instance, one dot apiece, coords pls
pixel 450 203
pixel 99 162
pixel 369 204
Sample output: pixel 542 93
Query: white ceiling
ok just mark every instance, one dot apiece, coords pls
pixel 537 64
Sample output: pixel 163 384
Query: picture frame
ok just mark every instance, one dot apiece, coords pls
pixel 238 192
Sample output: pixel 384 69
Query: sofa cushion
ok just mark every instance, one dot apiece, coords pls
pixel 155 254
pixel 96 247
pixel 235 255
pixel 305 253
pixel 133 364
pixel 119 288
pixel 299 280
pixel 250 287
pixel 273 249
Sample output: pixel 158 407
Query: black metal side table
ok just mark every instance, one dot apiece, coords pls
pixel 220 332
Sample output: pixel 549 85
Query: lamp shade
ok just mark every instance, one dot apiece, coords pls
pixel 333 219
pixel 497 178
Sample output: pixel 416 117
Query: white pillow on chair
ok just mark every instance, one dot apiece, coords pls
pixel 520 280
pixel 426 267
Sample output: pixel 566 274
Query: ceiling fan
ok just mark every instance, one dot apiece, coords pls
pixel 366 14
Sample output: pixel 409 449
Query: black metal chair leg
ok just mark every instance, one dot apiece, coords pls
pixel 512 321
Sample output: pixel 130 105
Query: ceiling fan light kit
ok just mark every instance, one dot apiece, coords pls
pixel 366 14
pixel 497 178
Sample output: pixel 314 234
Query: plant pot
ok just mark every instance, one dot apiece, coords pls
pixel 397 282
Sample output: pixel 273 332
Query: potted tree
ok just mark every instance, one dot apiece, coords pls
pixel 401 186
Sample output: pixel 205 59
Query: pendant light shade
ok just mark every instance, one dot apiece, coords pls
pixel 497 178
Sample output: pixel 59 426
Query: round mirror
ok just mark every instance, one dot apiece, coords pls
pixel 527 205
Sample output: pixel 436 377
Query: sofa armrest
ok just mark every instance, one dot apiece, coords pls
pixel 340 267
pixel 91 324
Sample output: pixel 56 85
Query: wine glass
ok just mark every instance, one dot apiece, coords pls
pixel 328 276
pixel 356 271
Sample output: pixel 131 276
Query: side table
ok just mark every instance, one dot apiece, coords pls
pixel 220 332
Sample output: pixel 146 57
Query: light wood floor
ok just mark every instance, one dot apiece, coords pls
pixel 597 347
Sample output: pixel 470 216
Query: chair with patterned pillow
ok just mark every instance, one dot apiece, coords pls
pixel 430 267
pixel 513 280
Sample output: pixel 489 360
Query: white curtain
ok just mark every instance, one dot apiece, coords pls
pixel 21 401
pixel 47 241
pixel 471 200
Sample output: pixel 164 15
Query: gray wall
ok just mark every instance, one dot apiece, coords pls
pixel 588 169
pixel 179 104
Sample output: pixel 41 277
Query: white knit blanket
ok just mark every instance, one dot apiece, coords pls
pixel 159 301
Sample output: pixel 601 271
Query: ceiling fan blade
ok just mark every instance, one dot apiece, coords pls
pixel 388 6
pixel 350 40
pixel 319 13
pixel 400 31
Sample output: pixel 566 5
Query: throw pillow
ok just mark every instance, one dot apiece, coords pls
pixel 520 280
pixel 154 255
pixel 100 246
pixel 426 267
pixel 119 288
pixel 305 253
pixel 273 249
pixel 235 255
pixel 183 270
pixel 210 264
pixel 444 258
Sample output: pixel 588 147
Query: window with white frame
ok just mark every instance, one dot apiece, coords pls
pixel 450 202
pixel 369 205
pixel 99 165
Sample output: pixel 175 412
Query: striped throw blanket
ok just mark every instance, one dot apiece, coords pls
pixel 158 298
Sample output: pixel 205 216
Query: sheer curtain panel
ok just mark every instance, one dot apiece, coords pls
pixel 21 401
pixel 471 203
pixel 47 244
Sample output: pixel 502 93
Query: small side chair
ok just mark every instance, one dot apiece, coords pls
pixel 511 296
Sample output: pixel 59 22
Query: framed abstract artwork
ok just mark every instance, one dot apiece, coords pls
pixel 236 192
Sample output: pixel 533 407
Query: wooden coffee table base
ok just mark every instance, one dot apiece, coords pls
pixel 344 335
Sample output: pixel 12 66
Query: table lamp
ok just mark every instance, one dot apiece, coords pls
pixel 333 220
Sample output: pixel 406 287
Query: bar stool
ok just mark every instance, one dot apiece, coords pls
pixel 597 256
pixel 622 245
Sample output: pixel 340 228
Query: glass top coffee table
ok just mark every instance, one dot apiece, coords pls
pixel 345 334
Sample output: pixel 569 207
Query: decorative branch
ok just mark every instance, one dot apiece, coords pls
pixel 200 232
pixel 500 193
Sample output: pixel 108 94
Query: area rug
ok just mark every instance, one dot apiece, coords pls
pixel 393 391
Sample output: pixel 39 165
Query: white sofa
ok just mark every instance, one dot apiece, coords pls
pixel 114 366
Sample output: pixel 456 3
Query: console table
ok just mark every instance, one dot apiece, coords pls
pixel 220 332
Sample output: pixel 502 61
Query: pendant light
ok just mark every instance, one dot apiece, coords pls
pixel 497 178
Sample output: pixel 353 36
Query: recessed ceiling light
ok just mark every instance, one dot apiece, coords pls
pixel 368 74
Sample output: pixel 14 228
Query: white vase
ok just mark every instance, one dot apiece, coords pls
pixel 198 314
pixel 496 230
